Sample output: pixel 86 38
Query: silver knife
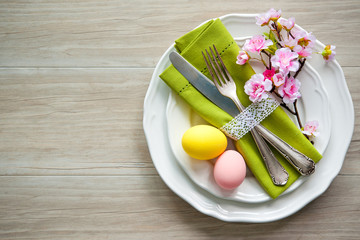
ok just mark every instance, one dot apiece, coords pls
pixel 203 84
pixel 303 164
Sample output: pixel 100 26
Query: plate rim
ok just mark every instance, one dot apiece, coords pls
pixel 147 116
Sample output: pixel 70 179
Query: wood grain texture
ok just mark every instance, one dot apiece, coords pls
pixel 73 121
pixel 74 162
pixel 132 207
pixel 134 34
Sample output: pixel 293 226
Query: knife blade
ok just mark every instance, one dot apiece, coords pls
pixel 203 84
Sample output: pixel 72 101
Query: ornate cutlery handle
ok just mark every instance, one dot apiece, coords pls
pixel 276 171
pixel 303 164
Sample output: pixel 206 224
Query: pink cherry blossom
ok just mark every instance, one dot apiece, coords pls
pixel 298 33
pixel 287 24
pixel 289 42
pixel 242 58
pixel 285 60
pixel 292 43
pixel 257 87
pixel 329 53
pixel 304 38
pixel 311 128
pixel 269 73
pixel 303 52
pixel 274 15
pixel 263 19
pixel 290 90
pixel 256 44
pixel 278 79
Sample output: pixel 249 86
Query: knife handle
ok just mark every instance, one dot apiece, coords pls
pixel 303 164
pixel 278 174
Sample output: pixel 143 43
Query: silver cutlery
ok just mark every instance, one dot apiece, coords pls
pixel 226 86
pixel 301 162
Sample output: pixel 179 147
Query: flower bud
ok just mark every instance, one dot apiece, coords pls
pixel 328 53
pixel 242 58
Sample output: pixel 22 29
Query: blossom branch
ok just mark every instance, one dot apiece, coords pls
pixel 297 114
pixel 299 121
pixel 275 27
pixel 291 35
pixel 287 48
pixel 282 102
pixel 269 56
pixel 287 108
pixel 302 63
pixel 263 61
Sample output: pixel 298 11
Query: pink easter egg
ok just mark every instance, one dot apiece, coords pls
pixel 230 170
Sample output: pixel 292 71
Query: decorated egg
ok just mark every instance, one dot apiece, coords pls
pixel 204 142
pixel 229 170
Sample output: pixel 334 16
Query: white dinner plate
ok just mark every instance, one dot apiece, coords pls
pixel 313 105
pixel 341 114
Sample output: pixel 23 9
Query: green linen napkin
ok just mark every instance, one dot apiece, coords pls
pixel 190 47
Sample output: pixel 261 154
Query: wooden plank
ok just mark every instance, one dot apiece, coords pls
pixel 74 162
pixel 88 122
pixel 73 121
pixel 144 208
pixel 351 164
pixel 136 33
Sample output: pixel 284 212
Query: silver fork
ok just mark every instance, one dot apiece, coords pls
pixel 227 87
pixel 303 164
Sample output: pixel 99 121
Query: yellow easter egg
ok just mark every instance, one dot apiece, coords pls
pixel 204 142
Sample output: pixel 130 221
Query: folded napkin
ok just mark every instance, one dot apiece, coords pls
pixel 190 47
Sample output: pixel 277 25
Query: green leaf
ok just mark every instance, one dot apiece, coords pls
pixel 272 49
pixel 272 37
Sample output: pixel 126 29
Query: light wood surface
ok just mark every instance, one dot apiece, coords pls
pixel 74 162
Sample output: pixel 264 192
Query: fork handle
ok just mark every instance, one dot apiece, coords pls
pixel 303 164
pixel 278 174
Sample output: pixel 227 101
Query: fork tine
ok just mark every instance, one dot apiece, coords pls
pixel 215 66
pixel 208 67
pixel 216 77
pixel 210 70
pixel 221 70
pixel 223 65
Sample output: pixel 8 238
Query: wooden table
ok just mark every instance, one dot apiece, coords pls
pixel 74 162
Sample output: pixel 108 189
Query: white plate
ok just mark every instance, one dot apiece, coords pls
pixel 342 118
pixel 313 105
